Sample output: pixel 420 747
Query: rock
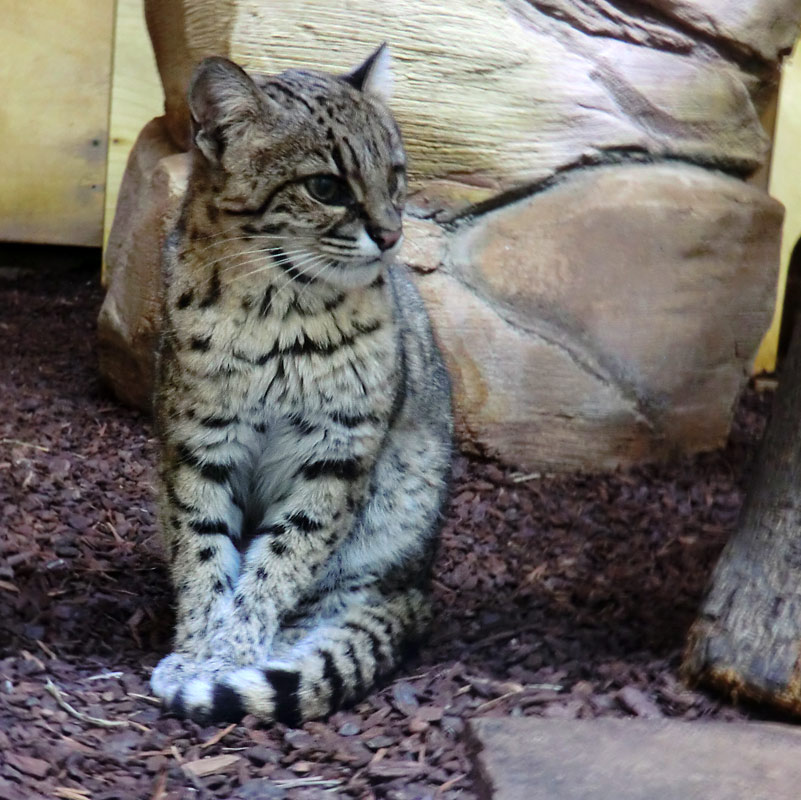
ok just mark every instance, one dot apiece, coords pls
pixel 597 282
pixel 536 759
pixel 526 397
pixel 477 94
pixel 606 321
pixel 651 279
pixel 128 324
pixel 765 30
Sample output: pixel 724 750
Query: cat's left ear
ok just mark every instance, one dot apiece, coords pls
pixel 374 75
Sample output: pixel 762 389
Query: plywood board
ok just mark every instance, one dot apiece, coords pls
pixel 55 75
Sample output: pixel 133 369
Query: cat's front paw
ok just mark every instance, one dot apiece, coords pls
pixel 177 670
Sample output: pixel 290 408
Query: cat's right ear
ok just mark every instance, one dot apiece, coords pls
pixel 222 96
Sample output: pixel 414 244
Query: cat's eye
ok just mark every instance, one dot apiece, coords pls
pixel 329 189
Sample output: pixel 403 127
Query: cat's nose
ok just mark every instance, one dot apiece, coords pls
pixel 384 238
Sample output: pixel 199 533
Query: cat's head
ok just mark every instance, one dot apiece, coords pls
pixel 308 164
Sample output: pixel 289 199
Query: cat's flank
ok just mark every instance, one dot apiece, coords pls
pixel 303 410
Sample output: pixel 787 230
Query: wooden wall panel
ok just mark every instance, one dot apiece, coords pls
pixel 55 74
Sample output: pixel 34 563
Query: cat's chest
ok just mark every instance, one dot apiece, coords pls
pixel 284 359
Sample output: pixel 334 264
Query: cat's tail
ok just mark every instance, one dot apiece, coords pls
pixel 332 666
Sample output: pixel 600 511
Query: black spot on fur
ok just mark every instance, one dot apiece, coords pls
pixel 218 473
pixel 176 501
pixel 335 302
pixel 214 291
pixel 287 703
pixel 205 554
pixel 266 302
pixel 202 344
pixel 366 327
pixel 185 299
pixel 278 547
pixel 304 522
pixel 218 587
pixel 218 422
pixel 270 530
pixel 207 527
pixel 303 425
pixel 344 468
pixel 353 420
pixel 226 705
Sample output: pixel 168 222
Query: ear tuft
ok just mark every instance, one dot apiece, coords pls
pixel 374 76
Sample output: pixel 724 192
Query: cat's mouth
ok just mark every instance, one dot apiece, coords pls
pixel 353 275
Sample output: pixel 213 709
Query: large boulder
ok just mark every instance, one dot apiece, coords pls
pixel 598 272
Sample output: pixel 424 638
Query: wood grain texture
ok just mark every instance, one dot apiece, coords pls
pixel 136 96
pixel 55 75
pixel 478 93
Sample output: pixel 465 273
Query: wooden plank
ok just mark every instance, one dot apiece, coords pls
pixel 55 73
pixel 540 759
pixel 136 96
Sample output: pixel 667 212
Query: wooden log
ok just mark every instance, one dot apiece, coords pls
pixel 746 641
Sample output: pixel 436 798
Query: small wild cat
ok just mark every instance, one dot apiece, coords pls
pixel 303 410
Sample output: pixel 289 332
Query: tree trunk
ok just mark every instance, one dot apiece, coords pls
pixel 746 641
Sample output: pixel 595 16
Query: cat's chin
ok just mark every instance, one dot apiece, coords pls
pixel 353 276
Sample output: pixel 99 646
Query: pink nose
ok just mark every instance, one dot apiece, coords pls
pixel 384 238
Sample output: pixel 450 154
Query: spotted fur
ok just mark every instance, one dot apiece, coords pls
pixel 303 410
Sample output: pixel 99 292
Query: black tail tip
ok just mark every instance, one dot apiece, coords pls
pixel 226 706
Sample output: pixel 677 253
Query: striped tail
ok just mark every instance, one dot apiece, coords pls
pixel 335 664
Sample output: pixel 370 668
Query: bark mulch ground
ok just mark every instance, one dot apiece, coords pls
pixel 564 597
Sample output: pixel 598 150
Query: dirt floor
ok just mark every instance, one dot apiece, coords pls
pixel 556 596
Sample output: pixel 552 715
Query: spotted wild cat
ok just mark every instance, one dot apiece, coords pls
pixel 303 410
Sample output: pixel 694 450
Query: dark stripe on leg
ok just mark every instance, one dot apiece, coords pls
pixel 375 644
pixel 304 522
pixel 345 468
pixel 287 703
pixel 359 687
pixel 332 674
pixel 209 526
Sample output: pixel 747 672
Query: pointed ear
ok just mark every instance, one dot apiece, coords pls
pixel 221 95
pixel 374 76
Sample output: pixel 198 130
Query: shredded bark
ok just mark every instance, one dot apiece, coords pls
pixel 556 596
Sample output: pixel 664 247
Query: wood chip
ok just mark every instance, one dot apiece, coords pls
pixel 68 793
pixel 35 767
pixel 211 765
pixel 212 740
